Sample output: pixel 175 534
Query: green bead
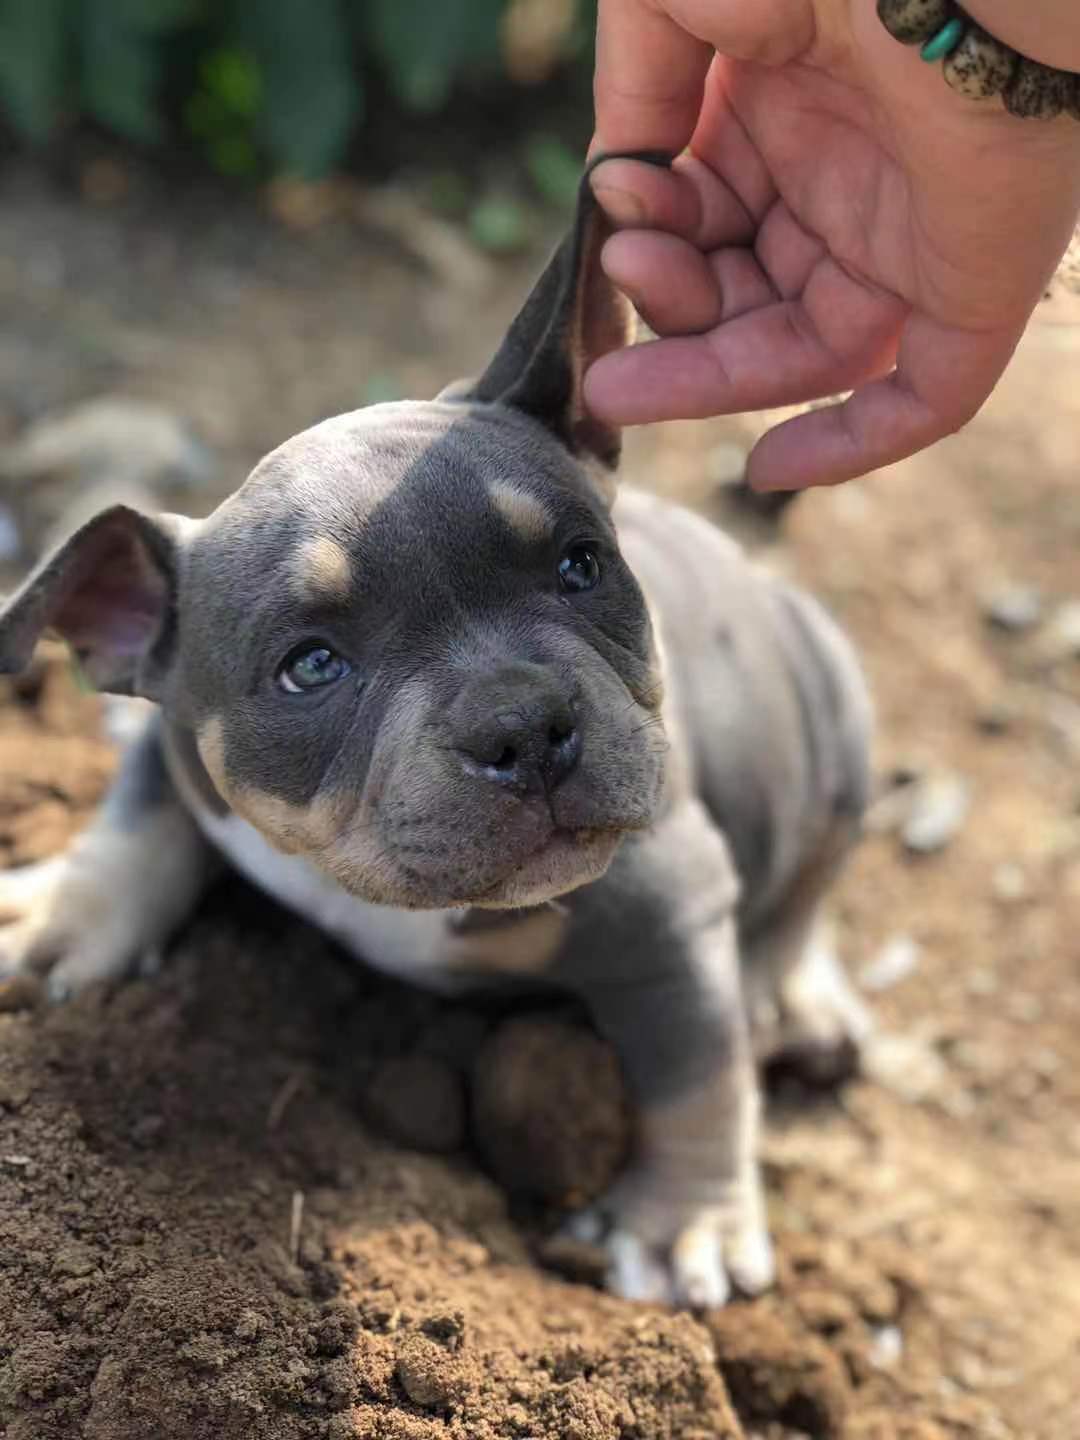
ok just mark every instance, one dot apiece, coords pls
pixel 944 42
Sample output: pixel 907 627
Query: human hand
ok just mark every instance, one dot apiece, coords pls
pixel 841 220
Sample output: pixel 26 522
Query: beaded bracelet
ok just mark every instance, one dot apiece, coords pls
pixel 978 65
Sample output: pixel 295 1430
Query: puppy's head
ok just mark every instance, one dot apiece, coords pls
pixel 408 647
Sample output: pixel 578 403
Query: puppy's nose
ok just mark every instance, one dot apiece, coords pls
pixel 517 727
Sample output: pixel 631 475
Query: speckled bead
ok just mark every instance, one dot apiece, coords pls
pixel 1037 92
pixel 914 22
pixel 980 67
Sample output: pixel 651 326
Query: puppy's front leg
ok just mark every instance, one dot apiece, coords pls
pixel 115 896
pixel 687 1220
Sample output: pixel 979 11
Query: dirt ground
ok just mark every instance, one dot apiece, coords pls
pixel 207 1228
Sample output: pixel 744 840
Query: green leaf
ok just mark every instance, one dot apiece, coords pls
pixel 425 44
pixel 499 224
pixel 35 63
pixel 235 81
pixel 554 169
pixel 312 93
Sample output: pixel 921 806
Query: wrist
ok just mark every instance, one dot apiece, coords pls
pixel 1043 30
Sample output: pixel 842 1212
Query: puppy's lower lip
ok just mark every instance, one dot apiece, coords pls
pixel 581 838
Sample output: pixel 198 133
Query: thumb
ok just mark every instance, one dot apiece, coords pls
pixel 650 78
pixel 652 57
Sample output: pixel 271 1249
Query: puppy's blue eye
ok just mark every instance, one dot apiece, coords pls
pixel 579 569
pixel 310 666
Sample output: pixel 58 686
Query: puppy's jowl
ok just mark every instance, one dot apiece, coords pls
pixel 432 680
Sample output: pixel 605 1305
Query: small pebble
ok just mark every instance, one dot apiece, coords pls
pixel 1013 607
pixel 1060 638
pixel 897 959
pixel 895 797
pixel 886 1347
pixel 905 1065
pixel 939 808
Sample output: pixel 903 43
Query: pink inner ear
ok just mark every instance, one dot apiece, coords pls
pixel 113 602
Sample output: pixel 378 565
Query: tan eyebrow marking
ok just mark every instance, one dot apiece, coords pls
pixel 322 566
pixel 524 513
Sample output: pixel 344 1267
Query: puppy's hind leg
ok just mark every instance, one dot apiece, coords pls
pixel 116 895
pixel 803 1008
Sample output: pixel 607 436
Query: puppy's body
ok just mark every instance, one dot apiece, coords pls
pixel 419 680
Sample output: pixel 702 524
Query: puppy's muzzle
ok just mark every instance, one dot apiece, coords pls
pixel 516 727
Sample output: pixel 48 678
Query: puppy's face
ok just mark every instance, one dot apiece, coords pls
pixel 408 648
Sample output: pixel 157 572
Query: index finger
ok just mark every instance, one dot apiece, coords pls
pixel 650 78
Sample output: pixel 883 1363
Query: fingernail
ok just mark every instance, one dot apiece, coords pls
pixel 622 207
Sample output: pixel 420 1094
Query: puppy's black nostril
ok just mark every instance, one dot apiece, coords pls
pixel 518 728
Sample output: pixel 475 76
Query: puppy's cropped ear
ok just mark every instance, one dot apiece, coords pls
pixel 110 592
pixel 573 317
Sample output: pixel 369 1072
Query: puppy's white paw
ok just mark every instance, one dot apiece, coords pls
pixel 691 1252
pixel 810 1015
pixel 54 922
pixel 96 912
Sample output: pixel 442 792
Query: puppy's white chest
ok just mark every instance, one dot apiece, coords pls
pixel 437 949
pixel 415 945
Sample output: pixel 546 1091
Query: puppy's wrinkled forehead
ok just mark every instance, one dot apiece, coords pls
pixel 395 482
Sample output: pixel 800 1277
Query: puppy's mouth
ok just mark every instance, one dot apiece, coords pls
pixel 564 861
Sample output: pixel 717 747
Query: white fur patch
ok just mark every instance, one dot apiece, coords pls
pixel 414 945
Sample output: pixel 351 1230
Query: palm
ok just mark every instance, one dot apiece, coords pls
pixel 820 242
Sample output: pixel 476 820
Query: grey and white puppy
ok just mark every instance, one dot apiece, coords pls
pixel 430 682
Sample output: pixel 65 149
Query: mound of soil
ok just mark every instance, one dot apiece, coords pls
pixel 200 1236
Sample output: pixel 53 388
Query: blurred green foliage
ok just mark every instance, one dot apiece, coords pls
pixel 273 86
